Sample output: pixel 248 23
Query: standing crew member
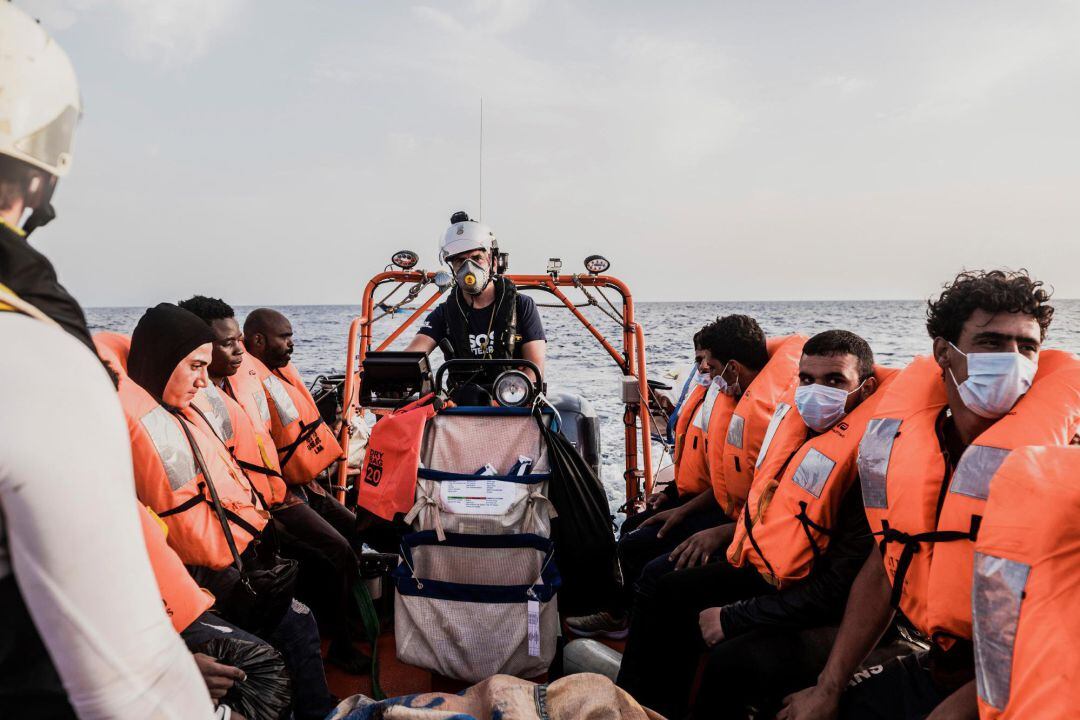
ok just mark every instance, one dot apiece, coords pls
pixel 485 315
pixel 82 629
pixel 942 428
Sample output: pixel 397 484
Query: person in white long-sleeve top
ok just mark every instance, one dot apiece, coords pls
pixel 82 629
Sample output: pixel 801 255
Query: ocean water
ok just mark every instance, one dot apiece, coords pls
pixel 577 363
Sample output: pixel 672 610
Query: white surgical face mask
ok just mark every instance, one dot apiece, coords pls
pixel 471 277
pixel 822 406
pixel 729 389
pixel 701 378
pixel 995 381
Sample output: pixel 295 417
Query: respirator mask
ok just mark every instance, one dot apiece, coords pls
pixel 472 278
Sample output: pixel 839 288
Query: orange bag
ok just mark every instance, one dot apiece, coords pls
pixel 388 477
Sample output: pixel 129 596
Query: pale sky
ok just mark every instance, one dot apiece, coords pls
pixel 279 152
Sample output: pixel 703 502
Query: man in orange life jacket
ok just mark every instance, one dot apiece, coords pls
pixel 987 329
pixel 637 548
pixel 687 405
pixel 328 566
pixel 732 604
pixel 735 352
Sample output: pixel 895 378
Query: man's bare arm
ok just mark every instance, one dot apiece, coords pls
pixel 421 343
pixel 535 352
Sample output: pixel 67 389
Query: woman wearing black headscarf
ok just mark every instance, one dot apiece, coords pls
pixel 170 351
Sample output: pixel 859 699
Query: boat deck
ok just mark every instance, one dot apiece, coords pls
pixel 398 678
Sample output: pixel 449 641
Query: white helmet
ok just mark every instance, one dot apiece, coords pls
pixel 465 236
pixel 39 95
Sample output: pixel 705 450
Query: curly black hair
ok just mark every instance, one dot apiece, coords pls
pixel 207 308
pixel 842 342
pixel 994 291
pixel 736 337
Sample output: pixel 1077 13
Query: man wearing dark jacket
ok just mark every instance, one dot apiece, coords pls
pixel 485 316
pixel 758 654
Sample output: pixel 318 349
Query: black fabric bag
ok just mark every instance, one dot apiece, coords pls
pixel 266 693
pixel 583 532
pixel 263 589
pixel 261 594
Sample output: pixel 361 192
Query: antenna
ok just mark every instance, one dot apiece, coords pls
pixel 480 215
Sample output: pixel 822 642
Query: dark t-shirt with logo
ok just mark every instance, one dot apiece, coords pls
pixel 529 326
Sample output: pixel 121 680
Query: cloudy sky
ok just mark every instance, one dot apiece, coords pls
pixel 280 152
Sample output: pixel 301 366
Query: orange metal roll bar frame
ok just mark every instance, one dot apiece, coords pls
pixel 631 361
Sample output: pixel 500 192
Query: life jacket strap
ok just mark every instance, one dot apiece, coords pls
pixel 808 525
pixel 306 431
pixel 261 469
pixel 197 499
pixel 749 525
pixel 912 544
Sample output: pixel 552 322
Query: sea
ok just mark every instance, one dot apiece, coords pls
pixel 576 363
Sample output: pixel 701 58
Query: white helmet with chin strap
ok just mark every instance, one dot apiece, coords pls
pixel 465 235
pixel 39 101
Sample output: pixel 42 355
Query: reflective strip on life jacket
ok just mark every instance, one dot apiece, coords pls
pixel 774 425
pixel 997 593
pixel 976 467
pixel 874 453
pixel 219 414
pixel 735 431
pixel 705 416
pixel 172 446
pixel 283 404
pixel 260 403
pixel 812 473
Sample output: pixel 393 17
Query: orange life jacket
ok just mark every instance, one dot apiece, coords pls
pixel 183 599
pixel 691 471
pixel 745 432
pixel 305 445
pixel 926 529
pixel 168 481
pixel 1026 581
pixel 113 348
pixel 234 428
pixel 799 485
pixel 246 388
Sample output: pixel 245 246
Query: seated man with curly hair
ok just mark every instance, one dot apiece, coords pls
pixel 925 462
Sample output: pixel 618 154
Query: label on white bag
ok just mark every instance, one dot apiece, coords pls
pixel 534 628
pixel 479 497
